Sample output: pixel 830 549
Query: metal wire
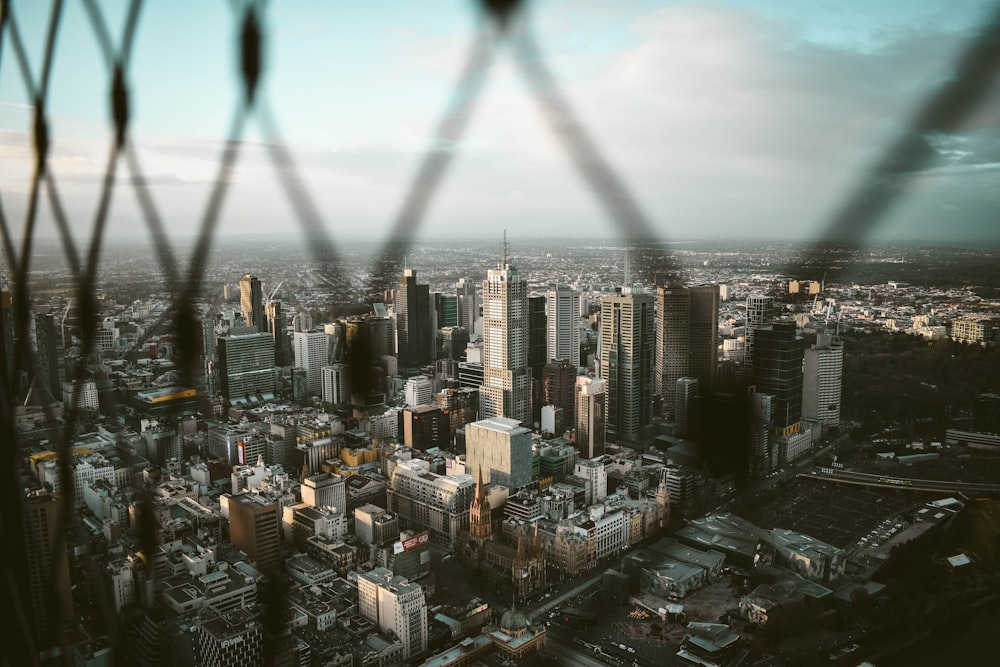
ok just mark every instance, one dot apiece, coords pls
pixel 503 24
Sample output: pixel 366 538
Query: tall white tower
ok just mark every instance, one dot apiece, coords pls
pixel 822 378
pixel 310 354
pixel 506 390
pixel 562 305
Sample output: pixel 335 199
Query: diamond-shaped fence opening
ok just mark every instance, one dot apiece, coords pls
pixel 504 32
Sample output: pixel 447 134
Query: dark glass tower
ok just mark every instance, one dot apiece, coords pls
pixel 413 322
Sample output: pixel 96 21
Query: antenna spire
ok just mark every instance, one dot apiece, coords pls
pixel 505 247
pixel 628 269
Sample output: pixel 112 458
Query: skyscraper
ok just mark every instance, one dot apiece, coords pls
pixel 559 386
pixel 777 369
pixel 468 304
pixel 246 365
pixel 760 311
pixel 501 450
pixel 686 389
pixel 396 605
pixel 562 308
pixel 311 354
pixel 276 326
pixel 822 377
pixel 506 390
pixel 687 338
pixel 446 310
pixel 252 302
pixel 48 580
pixel 253 529
pixel 627 361
pixel 591 416
pixel 537 327
pixel 413 322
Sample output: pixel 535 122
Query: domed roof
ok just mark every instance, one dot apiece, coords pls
pixel 513 620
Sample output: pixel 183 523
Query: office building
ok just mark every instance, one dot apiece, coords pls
pixel 396 605
pixel 687 338
pixel 254 529
pixel 562 313
pixel 414 333
pixel 506 389
pixel 559 387
pixel 252 303
pixel 591 416
pixel 627 362
pixel 427 501
pixel 760 311
pixel 246 365
pixel 233 638
pixel 325 490
pixel 777 370
pixel 275 320
pixel 445 310
pixel 822 377
pixel 501 448
pixel 424 427
pixel 418 390
pixel 452 342
pixel 468 305
pixel 336 384
pixel 311 355
pixel 49 598
pixel 50 370
pixel 80 395
pixel 686 388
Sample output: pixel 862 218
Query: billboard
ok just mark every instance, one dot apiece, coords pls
pixel 417 540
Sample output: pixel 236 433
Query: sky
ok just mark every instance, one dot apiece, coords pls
pixel 728 119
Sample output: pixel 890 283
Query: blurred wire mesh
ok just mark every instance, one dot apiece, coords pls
pixel 503 31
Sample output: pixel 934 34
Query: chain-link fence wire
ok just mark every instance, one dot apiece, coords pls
pixel 503 24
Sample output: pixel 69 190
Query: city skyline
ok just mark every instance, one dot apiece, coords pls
pixel 768 129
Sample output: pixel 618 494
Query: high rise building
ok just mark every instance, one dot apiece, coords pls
pixel 275 320
pixel 559 386
pixel 325 490
pixel 233 638
pixel 336 384
pixel 47 584
pixel 506 390
pixel 49 360
pixel 311 354
pixel 424 427
pixel 591 414
pixel 822 377
pixel 468 305
pixel 446 310
pixel 452 342
pixel 414 333
pixel 396 605
pixel 501 449
pixel 537 327
pixel 254 529
pixel 763 456
pixel 627 361
pixel 418 390
pixel 562 308
pixel 686 389
pixel 246 365
pixel 777 369
pixel 760 311
pixel 252 302
pixel 687 338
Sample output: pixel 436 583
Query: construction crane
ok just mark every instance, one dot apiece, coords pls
pixel 275 290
